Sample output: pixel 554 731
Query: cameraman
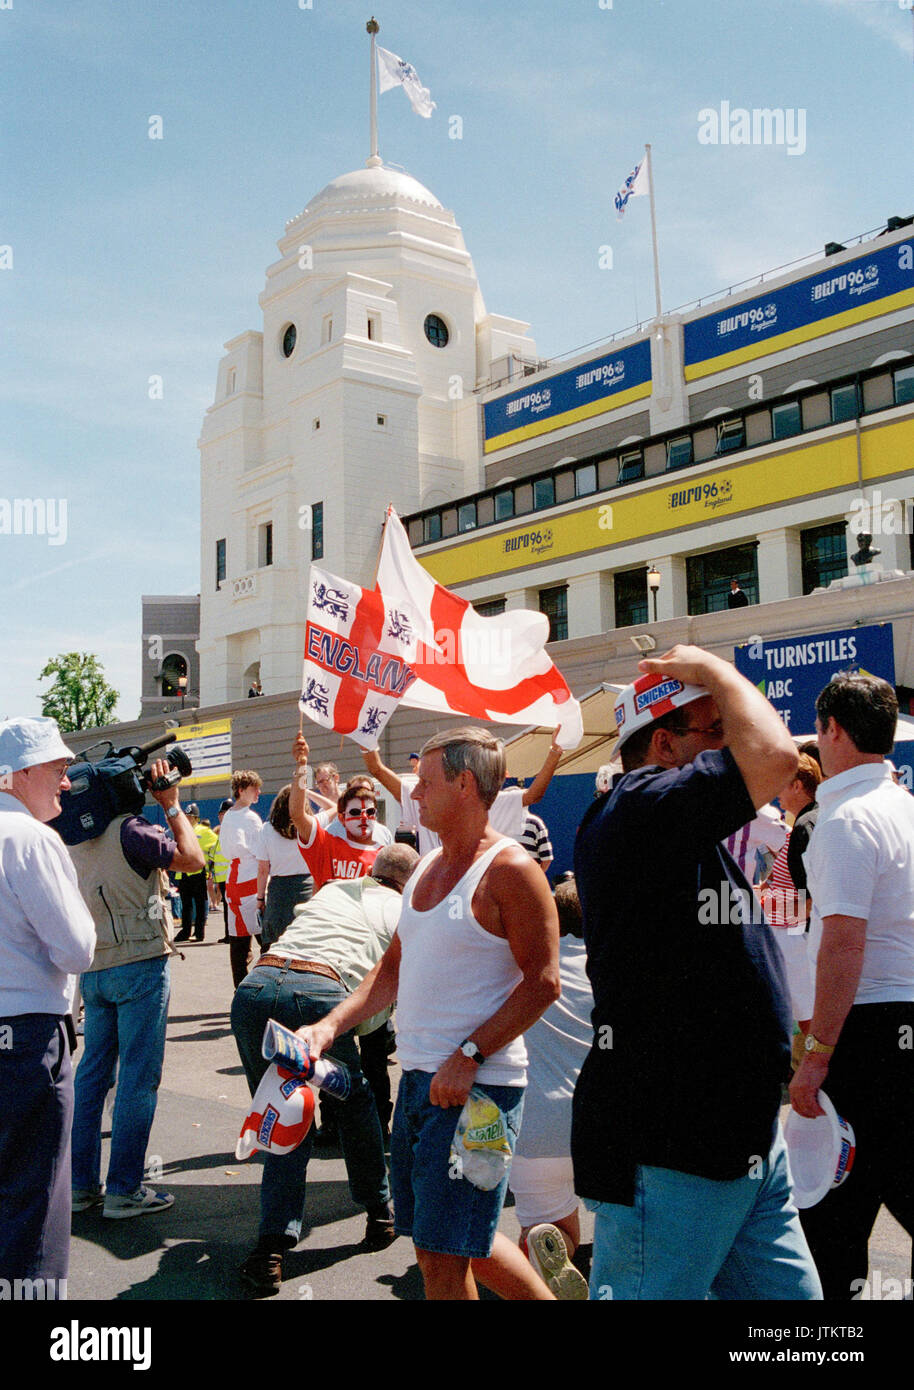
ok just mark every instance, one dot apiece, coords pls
pixel 125 991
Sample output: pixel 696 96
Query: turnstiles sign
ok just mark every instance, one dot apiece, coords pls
pixel 791 671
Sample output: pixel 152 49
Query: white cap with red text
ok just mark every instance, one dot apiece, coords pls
pixel 649 698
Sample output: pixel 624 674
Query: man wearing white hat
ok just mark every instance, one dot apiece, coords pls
pixel 46 938
pixel 675 1136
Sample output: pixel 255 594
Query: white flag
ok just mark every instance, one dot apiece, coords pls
pixel 635 186
pixel 396 72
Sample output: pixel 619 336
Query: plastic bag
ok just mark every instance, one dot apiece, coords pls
pixel 480 1148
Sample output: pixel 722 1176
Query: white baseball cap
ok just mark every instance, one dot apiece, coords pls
pixel 282 1112
pixel 647 699
pixel 29 742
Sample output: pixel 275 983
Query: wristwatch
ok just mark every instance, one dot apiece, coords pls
pixel 172 811
pixel 812 1045
pixel 469 1049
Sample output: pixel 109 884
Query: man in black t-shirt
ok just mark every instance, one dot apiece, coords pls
pixel 675 1139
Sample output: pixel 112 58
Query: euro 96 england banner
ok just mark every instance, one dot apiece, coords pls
pixel 357 650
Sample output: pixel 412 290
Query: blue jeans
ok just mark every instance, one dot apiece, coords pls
pixel 295 998
pixel 688 1237
pixel 126 1017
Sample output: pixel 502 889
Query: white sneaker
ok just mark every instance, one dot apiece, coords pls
pixel 116 1208
pixel 548 1254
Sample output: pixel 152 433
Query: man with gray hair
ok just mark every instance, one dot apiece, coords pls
pixel 46 938
pixel 473 964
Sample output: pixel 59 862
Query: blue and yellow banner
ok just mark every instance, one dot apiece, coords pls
pixel 604 383
pixel 874 283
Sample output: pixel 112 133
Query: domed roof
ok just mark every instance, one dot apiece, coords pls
pixel 371 188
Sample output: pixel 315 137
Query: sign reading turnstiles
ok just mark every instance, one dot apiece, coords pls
pixel 791 671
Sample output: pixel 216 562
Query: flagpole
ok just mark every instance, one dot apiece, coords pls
pixel 650 184
pixel 374 158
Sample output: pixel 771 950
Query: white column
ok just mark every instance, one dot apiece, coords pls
pixel 672 596
pixel 590 604
pixel 780 569
pixel 521 598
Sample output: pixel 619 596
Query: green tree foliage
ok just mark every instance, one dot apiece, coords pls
pixel 80 697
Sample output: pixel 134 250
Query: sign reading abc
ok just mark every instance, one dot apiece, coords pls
pixel 791 671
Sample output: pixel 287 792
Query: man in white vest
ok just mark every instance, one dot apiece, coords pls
pixel 125 992
pixel 473 964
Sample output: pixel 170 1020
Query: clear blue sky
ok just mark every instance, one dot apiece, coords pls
pixel 135 258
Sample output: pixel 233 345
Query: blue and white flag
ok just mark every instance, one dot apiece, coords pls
pixel 635 186
pixel 396 72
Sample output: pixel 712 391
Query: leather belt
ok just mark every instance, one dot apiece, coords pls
pixel 309 967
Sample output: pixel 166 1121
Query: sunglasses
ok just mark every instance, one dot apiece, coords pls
pixel 715 730
pixel 369 811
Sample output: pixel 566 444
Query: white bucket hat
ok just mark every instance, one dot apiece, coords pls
pixel 282 1112
pixel 29 742
pixel 820 1152
pixel 647 699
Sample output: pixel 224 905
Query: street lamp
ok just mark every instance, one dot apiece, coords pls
pixel 653 583
pixel 182 684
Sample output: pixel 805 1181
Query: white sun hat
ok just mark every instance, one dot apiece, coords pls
pixel 647 699
pixel 29 742
pixel 282 1112
pixel 820 1152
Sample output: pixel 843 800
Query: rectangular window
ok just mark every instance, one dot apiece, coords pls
pixel 554 603
pixel 432 527
pixel 785 420
pixel 317 531
pixel 679 452
pixel 220 563
pixel 708 577
pixel 543 493
pixel 631 467
pixel 843 403
pixel 585 480
pixel 504 504
pixel 630 588
pixel 374 328
pixel 466 517
pixel 327 329
pixel 230 388
pixel 265 544
pixel 730 436
pixel 381 422
pixel 490 607
pixel 824 555
pixel 316 423
pixel 904 385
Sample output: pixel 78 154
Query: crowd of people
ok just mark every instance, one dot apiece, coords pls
pixel 628 1030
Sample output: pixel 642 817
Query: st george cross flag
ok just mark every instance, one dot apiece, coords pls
pixel 357 657
pixel 396 72
pixel 635 186
pixel 488 668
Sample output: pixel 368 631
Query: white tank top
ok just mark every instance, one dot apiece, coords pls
pixel 454 975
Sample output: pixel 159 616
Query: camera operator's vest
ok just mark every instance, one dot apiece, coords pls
pixel 132 920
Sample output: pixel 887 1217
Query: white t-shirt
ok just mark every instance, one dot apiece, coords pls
pixel 557 1045
pixel 281 854
pixel 507 814
pixel 239 838
pixel 860 863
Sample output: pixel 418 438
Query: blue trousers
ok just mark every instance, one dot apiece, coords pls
pixel 295 998
pixel 36 1111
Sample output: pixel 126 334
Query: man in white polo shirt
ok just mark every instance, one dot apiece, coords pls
pixel 860 1045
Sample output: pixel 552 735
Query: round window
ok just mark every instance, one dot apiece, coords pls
pixel 288 340
pixel 436 330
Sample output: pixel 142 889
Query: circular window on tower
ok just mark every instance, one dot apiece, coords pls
pixel 436 330
pixel 288 340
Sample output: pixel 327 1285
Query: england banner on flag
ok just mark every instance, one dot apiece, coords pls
pixel 358 652
pixel 488 668
pixel 635 186
pixel 396 72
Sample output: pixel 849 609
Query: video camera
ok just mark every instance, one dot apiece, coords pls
pixel 114 784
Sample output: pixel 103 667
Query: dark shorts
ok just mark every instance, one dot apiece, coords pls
pixel 435 1206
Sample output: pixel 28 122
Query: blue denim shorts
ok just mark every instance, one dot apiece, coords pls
pixel 444 1214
